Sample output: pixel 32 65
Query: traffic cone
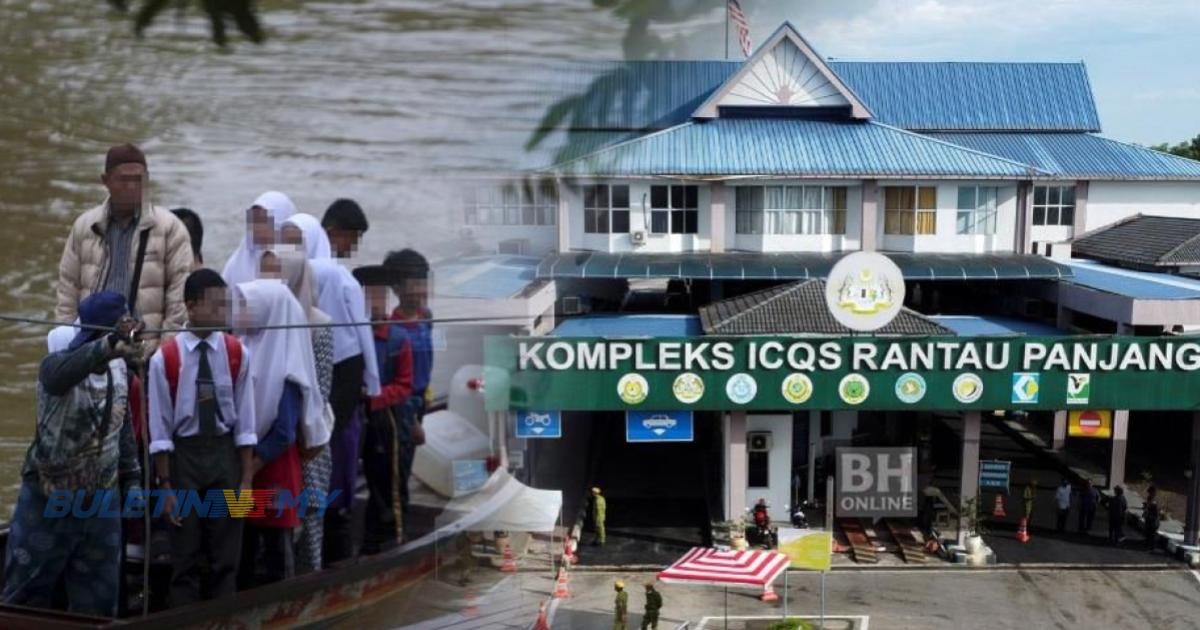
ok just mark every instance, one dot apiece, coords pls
pixel 560 589
pixel 1022 531
pixel 769 594
pixel 569 556
pixel 542 623
pixel 510 564
pixel 998 512
pixel 469 607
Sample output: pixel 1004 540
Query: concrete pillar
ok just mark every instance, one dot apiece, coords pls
pixel 814 443
pixel 1024 232
pixel 1063 318
pixel 870 216
pixel 1191 524
pixel 735 464
pixel 1081 201
pixel 969 484
pixel 1060 430
pixel 717 211
pixel 564 216
pixel 1120 443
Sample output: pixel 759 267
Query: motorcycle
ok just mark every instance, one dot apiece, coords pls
pixel 765 535
pixel 799 518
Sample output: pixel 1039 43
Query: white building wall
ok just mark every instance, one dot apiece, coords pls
pixel 1109 202
pixel 946 240
pixel 779 491
pixel 541 239
pixel 639 219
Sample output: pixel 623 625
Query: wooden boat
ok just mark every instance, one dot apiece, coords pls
pixel 321 598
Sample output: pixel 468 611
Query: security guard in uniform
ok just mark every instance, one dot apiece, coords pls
pixel 621 607
pixel 653 605
pixel 599 510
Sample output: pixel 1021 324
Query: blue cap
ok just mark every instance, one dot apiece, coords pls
pixel 99 309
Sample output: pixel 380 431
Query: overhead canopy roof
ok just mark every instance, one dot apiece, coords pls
pixel 494 277
pixel 1139 285
pixel 798 308
pixel 989 326
pixel 792 266
pixel 629 326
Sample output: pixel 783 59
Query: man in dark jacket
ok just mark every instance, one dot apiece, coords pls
pixel 1089 498
pixel 654 604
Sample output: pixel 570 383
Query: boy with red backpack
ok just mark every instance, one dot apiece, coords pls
pixel 202 437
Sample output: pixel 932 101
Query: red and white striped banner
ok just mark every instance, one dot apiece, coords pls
pixel 702 565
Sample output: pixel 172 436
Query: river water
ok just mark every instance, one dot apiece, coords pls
pixel 380 100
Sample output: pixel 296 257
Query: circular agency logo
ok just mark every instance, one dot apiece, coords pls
pixel 797 388
pixel 741 388
pixel 910 387
pixel 854 389
pixel 688 388
pixel 633 389
pixel 967 388
pixel 864 291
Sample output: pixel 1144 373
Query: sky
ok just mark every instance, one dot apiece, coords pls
pixel 1140 54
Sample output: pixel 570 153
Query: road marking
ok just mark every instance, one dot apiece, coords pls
pixel 1196 574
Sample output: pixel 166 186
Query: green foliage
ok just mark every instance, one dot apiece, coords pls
pixel 974 517
pixel 1189 149
pixel 791 624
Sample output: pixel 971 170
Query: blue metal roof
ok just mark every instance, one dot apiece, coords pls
pixel 952 96
pixel 630 326
pixel 988 326
pixel 947 96
pixel 1079 155
pixel 791 147
pixel 495 277
pixel 1139 285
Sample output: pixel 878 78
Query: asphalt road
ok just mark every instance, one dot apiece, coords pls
pixel 927 599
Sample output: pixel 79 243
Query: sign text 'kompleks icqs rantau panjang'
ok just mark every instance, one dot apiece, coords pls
pixel 844 373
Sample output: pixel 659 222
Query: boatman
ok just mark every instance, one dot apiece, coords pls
pixel 621 607
pixel 653 605
pixel 599 510
pixel 82 450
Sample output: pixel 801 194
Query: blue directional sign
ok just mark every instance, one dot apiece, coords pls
pixel 994 473
pixel 539 424
pixel 658 426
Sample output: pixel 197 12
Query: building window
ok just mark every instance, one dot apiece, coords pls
pixel 511 205
pixel 909 210
pixel 674 209
pixel 1054 205
pixel 758 467
pixel 605 209
pixel 791 209
pixel 977 209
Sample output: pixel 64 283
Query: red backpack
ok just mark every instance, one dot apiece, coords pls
pixel 170 352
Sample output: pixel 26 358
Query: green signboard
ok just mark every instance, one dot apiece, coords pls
pixel 783 373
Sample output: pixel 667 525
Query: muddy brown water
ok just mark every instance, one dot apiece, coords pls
pixel 380 100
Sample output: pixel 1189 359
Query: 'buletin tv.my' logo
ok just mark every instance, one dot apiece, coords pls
pixel 207 504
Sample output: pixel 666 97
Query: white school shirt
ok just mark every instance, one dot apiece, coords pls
pixel 1063 497
pixel 236 402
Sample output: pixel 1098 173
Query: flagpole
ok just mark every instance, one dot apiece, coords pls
pixel 727 29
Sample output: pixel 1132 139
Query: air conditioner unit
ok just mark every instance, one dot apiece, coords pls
pixel 638 237
pixel 572 306
pixel 758 441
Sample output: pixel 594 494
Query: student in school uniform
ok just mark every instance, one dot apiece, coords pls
pixel 408 272
pixel 287 403
pixel 354 369
pixel 386 432
pixel 202 437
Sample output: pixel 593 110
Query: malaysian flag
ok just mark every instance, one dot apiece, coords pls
pixel 733 11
